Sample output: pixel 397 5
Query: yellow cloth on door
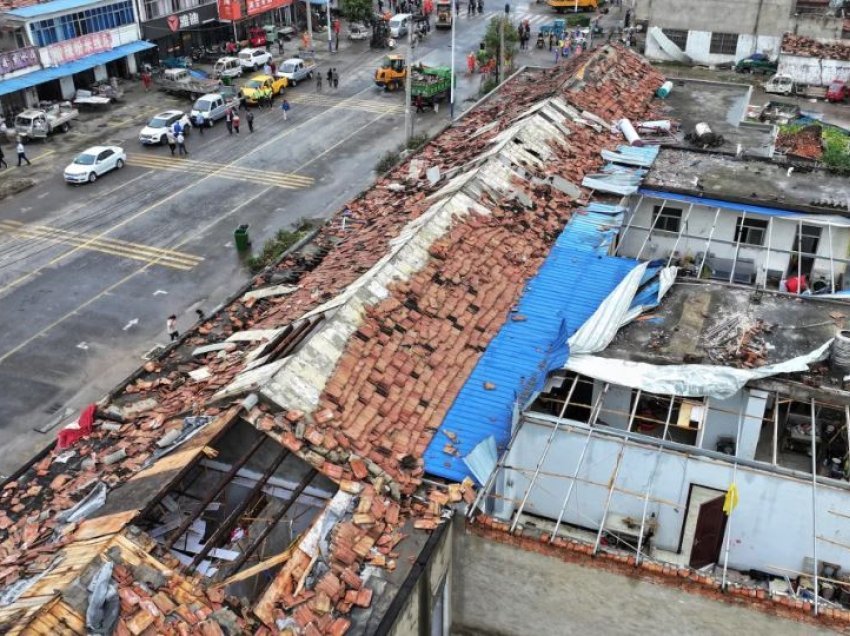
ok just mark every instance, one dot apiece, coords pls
pixel 731 500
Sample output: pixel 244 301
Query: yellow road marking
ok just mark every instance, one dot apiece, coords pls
pixel 356 104
pixel 153 206
pixel 43 155
pixel 124 249
pixel 180 243
pixel 265 177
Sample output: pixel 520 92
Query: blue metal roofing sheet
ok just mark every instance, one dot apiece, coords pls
pixel 46 8
pixel 63 70
pixel 718 203
pixel 573 281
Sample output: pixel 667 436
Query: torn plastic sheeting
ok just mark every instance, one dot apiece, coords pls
pixel 87 505
pixel 686 380
pixel 102 610
pixel 13 592
pixel 482 459
pixel 620 308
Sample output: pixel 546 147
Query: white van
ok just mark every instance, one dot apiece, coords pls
pixel 400 24
pixel 227 67
pixel 212 106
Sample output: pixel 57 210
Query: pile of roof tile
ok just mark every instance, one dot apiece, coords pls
pixel 401 370
pixel 805 142
pixel 810 47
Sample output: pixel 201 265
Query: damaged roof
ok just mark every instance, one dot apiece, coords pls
pixel 756 181
pixel 810 47
pixel 358 352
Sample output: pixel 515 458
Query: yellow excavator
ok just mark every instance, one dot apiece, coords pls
pixel 391 73
pixel 573 6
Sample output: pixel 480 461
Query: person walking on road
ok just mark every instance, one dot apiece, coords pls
pixel 330 77
pixel 236 123
pixel 228 121
pixel 285 108
pixel 249 118
pixel 318 82
pixel 171 141
pixel 3 163
pixel 181 144
pixel 171 327
pixel 22 153
pixel 200 122
pixel 335 77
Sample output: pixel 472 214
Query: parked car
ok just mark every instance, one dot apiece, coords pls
pixel 756 63
pixel 251 89
pixel 837 91
pixel 227 67
pixel 95 162
pixel 154 132
pixel 254 58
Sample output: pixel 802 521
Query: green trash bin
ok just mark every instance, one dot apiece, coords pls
pixel 241 238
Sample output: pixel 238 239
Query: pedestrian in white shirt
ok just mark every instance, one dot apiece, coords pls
pixel 22 153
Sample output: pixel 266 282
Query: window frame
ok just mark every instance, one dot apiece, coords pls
pixel 660 224
pixel 720 43
pixel 679 37
pixel 744 232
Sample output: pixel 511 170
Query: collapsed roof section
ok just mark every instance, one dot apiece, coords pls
pixel 426 266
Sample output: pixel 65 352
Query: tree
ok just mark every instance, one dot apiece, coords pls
pixel 357 10
pixel 492 39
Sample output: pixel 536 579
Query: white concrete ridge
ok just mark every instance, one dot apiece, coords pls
pixel 298 380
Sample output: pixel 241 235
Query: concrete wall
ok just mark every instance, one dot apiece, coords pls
pixel 760 24
pixel 501 590
pixel 771 527
pixel 810 70
pixel 700 223
pixel 418 617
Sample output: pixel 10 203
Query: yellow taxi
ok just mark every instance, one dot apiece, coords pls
pixel 252 88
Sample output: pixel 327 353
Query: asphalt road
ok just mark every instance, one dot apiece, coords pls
pixel 89 274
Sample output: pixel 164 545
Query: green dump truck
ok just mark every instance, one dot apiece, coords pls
pixel 430 84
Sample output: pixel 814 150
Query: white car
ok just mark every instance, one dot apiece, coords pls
pixel 154 132
pixel 95 162
pixel 254 58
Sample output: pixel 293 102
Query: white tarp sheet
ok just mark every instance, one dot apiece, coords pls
pixel 616 311
pixel 686 380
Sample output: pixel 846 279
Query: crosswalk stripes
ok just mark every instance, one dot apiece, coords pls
pixel 123 249
pixel 534 19
pixel 285 180
pixel 368 105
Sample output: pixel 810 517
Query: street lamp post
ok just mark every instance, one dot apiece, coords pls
pixel 330 33
pixel 408 87
pixel 452 77
pixel 309 23
pixel 502 55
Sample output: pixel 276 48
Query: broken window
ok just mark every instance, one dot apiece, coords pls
pixel 723 43
pixel 675 418
pixel 750 231
pixel 666 219
pixel 679 37
pixel 232 515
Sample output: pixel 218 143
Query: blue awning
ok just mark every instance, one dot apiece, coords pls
pixel 720 203
pixel 46 8
pixel 64 70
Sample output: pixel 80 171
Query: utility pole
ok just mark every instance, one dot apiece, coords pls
pixel 502 55
pixel 408 87
pixel 452 76
pixel 330 33
pixel 309 23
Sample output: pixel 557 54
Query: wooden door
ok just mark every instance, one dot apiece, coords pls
pixel 708 535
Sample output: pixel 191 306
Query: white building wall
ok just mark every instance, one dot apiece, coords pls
pixel 700 222
pixel 811 70
pixel 771 527
pixel 699 48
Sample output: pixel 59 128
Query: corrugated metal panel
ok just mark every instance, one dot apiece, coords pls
pixel 575 278
pixel 725 205
pixel 63 70
pixel 632 155
pixel 46 8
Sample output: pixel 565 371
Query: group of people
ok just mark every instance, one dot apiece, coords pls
pixel 524 33
pixel 22 155
pixel 332 77
pixel 474 5
pixel 176 139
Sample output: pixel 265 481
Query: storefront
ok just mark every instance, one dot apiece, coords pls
pixel 178 33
